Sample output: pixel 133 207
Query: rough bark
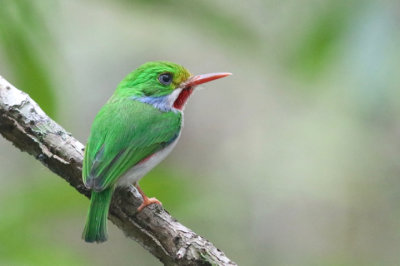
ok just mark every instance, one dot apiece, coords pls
pixel 24 123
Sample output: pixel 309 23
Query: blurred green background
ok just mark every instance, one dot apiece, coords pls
pixel 294 160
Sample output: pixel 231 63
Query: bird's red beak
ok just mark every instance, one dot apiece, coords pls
pixel 200 79
pixel 188 86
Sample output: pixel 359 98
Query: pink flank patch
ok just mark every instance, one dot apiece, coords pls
pixel 145 159
pixel 182 98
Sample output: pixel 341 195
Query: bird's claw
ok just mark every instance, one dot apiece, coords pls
pixel 148 201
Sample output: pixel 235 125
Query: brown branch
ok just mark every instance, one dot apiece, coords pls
pixel 24 123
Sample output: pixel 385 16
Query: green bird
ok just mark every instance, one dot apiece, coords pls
pixel 134 131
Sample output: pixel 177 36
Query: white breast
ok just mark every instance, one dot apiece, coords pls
pixel 134 174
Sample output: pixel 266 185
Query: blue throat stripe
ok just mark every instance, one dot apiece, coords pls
pixel 160 102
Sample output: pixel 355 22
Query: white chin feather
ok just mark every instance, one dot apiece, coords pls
pixel 173 96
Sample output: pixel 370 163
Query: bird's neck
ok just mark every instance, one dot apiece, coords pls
pixel 172 102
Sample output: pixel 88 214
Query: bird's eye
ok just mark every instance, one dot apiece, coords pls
pixel 165 78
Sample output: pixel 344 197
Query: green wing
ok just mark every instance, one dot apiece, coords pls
pixel 123 133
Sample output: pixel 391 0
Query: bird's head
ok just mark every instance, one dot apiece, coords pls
pixel 164 83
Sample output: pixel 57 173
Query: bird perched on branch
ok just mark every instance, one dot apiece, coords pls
pixel 133 132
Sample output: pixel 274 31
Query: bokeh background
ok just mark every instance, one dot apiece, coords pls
pixel 293 160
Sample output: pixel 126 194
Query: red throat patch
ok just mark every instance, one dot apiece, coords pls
pixel 182 98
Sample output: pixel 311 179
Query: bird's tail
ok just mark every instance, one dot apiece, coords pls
pixel 96 221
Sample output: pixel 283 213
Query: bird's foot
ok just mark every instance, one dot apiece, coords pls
pixel 148 201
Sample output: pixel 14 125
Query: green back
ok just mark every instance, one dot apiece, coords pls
pixel 123 133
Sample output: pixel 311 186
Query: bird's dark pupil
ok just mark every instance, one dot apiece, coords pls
pixel 165 78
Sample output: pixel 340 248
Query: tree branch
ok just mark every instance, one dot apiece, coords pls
pixel 25 124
